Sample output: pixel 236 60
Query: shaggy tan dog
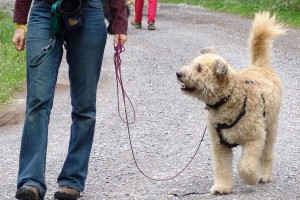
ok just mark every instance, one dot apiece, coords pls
pixel 242 106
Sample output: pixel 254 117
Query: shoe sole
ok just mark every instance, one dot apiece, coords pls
pixel 136 26
pixel 26 194
pixel 65 196
pixel 151 26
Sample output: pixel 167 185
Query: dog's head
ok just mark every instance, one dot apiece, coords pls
pixel 207 78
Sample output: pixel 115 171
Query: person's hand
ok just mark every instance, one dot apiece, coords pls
pixel 121 37
pixel 19 39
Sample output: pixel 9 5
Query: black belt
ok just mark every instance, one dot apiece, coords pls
pixel 49 1
pixel 53 1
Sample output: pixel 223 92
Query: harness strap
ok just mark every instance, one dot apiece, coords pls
pixel 221 102
pixel 264 113
pixel 227 126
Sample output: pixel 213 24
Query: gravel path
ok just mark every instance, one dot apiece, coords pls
pixel 169 124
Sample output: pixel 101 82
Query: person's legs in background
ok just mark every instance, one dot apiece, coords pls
pixel 138 7
pixel 152 6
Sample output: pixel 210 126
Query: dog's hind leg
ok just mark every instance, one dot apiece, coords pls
pixel 249 165
pixel 222 162
pixel 267 157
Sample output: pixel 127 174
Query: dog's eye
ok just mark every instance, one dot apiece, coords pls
pixel 199 68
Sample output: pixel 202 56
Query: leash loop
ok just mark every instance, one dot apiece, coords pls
pixel 117 61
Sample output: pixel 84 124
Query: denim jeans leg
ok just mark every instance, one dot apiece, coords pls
pixel 41 82
pixel 85 48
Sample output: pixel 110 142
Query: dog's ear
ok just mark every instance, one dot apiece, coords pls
pixel 209 50
pixel 221 67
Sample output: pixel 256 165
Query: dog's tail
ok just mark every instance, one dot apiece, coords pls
pixel 264 29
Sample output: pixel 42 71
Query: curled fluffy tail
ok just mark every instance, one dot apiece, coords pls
pixel 264 29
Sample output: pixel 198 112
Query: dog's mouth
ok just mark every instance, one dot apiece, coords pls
pixel 186 88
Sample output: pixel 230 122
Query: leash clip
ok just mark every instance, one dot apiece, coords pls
pixel 49 46
pixel 46 49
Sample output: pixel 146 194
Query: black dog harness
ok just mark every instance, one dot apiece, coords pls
pixel 219 127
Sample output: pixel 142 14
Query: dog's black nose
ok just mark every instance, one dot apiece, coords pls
pixel 179 74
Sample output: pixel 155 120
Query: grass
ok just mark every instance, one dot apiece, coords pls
pixel 288 11
pixel 12 63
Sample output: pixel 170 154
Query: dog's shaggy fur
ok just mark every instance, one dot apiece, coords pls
pixel 210 79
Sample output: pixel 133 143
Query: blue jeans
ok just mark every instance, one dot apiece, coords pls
pixel 84 53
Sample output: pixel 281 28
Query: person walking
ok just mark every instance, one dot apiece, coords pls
pixel 138 7
pixel 84 52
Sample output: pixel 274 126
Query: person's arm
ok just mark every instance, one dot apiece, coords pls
pixel 20 18
pixel 120 21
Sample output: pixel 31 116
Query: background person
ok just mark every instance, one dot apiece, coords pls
pixel 138 7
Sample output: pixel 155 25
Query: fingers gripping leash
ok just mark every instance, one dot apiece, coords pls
pixel 120 87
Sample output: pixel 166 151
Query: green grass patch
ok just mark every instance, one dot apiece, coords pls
pixel 12 62
pixel 288 11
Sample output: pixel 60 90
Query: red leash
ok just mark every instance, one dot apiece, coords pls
pixel 117 60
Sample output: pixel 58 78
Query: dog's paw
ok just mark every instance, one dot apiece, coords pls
pixel 249 173
pixel 266 178
pixel 220 189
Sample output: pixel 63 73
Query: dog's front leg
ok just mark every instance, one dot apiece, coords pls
pixel 222 162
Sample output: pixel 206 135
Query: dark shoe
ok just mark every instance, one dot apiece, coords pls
pixel 28 193
pixel 137 25
pixel 151 26
pixel 66 193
